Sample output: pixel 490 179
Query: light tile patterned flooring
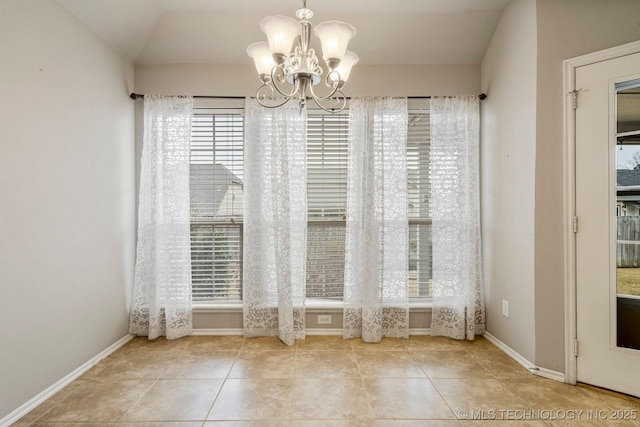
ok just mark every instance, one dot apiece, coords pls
pixel 322 382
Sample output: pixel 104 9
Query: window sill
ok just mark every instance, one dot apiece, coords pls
pixel 420 305
pixel 217 307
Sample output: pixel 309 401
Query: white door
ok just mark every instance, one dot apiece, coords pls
pixel 608 212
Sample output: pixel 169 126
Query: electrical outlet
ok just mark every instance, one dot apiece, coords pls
pixel 324 319
pixel 505 308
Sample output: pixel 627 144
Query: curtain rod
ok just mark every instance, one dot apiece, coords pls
pixel 135 96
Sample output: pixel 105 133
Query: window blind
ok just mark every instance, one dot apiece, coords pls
pixel 216 166
pixel 418 187
pixel 216 204
pixel 216 261
pixel 216 188
pixel 327 136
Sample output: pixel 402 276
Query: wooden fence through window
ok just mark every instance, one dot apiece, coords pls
pixel 628 235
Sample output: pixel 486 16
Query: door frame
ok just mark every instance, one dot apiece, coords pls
pixel 569 194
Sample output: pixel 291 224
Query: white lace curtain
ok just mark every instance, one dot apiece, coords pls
pixel 458 301
pixel 275 221
pixel 162 290
pixel 375 288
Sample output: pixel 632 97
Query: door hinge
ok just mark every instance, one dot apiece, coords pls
pixel 574 98
pixel 575 348
pixel 575 224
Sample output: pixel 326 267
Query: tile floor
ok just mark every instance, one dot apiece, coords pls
pixel 322 382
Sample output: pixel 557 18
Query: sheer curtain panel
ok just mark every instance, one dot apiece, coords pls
pixel 275 221
pixel 458 300
pixel 376 288
pixel 162 290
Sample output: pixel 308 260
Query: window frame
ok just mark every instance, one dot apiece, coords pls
pixel 206 107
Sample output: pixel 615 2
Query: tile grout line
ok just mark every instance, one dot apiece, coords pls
pixel 446 402
pixel 37 419
pixel 224 381
pixel 138 400
pixel 364 387
pixel 436 389
pixel 291 386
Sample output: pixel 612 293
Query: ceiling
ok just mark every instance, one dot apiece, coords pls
pixel 218 31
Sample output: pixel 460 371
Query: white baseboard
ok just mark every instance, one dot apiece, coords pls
pixel 550 374
pixel 338 331
pixel 215 331
pixel 319 331
pixel 30 405
pixel 239 332
pixel 536 370
pixel 312 331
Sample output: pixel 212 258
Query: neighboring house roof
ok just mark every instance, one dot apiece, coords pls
pixel 628 177
pixel 209 185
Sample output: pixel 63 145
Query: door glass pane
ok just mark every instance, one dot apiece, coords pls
pixel 628 214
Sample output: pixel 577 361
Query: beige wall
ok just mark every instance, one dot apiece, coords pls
pixel 566 29
pixel 67 222
pixel 230 321
pixel 508 145
pixel 522 164
pixel 365 80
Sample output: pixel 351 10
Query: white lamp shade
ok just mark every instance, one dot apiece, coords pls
pixel 334 37
pixel 262 58
pixel 344 69
pixel 281 31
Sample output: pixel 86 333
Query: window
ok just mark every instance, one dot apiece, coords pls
pixel 216 204
pixel 418 187
pixel 216 183
pixel 327 136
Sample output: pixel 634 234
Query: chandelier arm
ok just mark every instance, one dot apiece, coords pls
pixel 269 88
pixel 340 101
pixel 328 97
pixel 294 90
pixel 272 106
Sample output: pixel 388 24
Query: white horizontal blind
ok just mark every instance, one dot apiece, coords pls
pixel 216 255
pixel 325 260
pixel 327 136
pixel 216 182
pixel 418 163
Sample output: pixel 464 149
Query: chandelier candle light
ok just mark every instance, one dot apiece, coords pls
pixel 278 64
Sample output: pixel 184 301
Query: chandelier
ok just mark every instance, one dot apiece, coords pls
pixel 288 73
